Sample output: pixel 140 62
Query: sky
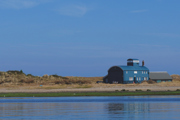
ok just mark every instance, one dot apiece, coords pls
pixel 87 37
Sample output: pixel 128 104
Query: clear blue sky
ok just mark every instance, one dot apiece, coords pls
pixel 87 37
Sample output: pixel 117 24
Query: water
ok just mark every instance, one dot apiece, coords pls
pixel 92 108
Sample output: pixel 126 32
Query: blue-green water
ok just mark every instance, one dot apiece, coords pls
pixel 106 108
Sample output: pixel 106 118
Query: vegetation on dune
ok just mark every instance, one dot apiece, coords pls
pixel 15 77
pixel 72 81
pixel 175 77
pixel 151 82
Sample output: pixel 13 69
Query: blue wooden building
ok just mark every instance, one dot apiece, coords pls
pixel 132 73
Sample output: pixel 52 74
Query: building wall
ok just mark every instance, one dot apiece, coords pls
pixel 115 75
pixel 135 76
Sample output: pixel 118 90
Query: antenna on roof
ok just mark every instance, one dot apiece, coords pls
pixel 143 63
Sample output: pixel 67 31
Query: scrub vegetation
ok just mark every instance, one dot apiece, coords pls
pixel 18 78
pixel 12 80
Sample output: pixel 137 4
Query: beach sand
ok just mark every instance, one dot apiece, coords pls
pixel 96 88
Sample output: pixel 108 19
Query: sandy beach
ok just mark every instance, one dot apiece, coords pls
pixel 109 88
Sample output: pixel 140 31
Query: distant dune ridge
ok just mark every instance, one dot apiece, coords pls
pixel 18 78
pixel 17 81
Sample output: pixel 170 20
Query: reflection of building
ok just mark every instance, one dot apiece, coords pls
pixel 132 73
pixel 116 106
pixel 137 107
pixel 119 108
pixel 150 109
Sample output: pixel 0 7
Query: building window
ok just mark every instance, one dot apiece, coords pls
pixel 145 78
pixel 131 78
pixel 146 72
pixel 126 72
pixel 135 72
pixel 139 78
pixel 142 72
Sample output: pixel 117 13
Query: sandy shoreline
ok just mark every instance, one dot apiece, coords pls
pixel 100 89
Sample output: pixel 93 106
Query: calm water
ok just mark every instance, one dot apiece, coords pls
pixel 106 108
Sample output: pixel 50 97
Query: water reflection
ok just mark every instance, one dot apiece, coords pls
pixel 87 108
pixel 135 107
pixel 115 108
pixel 50 110
pixel 144 110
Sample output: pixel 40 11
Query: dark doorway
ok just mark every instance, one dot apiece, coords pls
pixel 134 79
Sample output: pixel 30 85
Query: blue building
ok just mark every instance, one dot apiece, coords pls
pixel 132 73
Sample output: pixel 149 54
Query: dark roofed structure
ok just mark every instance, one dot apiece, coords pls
pixel 132 73
pixel 160 76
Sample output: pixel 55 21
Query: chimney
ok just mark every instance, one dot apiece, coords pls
pixel 143 63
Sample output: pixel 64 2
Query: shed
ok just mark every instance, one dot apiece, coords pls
pixel 160 76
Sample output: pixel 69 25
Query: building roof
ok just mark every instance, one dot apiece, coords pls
pixel 133 68
pixel 159 75
pixel 132 59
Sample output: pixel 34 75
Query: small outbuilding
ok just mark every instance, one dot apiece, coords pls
pixel 160 77
pixel 132 73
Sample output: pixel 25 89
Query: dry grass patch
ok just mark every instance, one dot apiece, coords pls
pixel 51 87
pixel 18 77
pixel 175 77
pixel 173 83
pixel 84 86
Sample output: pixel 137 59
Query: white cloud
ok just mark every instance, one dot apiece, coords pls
pixel 19 4
pixel 138 11
pixel 73 10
